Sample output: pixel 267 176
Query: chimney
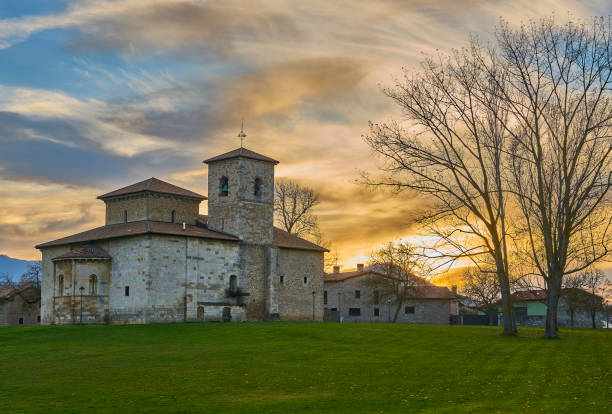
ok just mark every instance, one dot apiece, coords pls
pixel 454 289
pixel 360 267
pixel 336 269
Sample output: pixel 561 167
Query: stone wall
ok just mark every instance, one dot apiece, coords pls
pixel 152 206
pixel 48 288
pixel 296 299
pixel 241 212
pixel 342 296
pixel 67 303
pixel 17 308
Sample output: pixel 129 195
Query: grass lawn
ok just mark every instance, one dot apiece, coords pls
pixel 299 367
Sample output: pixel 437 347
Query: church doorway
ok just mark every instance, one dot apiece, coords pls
pixel 227 314
pixel 201 313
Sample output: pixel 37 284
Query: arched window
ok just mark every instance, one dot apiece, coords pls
pixel 223 186
pixel 125 216
pixel 60 285
pixel 233 285
pixel 173 216
pixel 257 187
pixel 93 285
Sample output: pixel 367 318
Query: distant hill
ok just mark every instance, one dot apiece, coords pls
pixel 13 267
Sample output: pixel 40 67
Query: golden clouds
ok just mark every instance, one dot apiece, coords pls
pixel 276 89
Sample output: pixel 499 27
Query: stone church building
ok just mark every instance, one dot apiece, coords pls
pixel 158 260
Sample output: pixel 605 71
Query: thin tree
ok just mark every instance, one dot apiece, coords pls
pixel 396 267
pixel 453 149
pixel 557 93
pixel 482 287
pixel 32 274
pixel 293 206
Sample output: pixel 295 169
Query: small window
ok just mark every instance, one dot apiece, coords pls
pixel 38 319
pixel 354 311
pixel 125 216
pixel 325 297
pixel 376 312
pixel 20 321
pixel 173 218
pixel 127 291
pixel 357 294
pixel 282 279
pixel 334 309
pixel 257 187
pixel 409 309
pixel 93 285
pixel 376 297
pixel 305 280
pixel 60 285
pixel 223 187
pixel 233 285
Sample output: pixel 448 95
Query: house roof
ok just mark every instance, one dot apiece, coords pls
pixel 85 252
pixel 153 185
pixel 241 153
pixel 529 295
pixel 283 239
pixel 7 292
pixel 425 291
pixel 134 228
pixel 338 277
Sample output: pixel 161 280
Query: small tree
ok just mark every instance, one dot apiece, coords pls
pixel 581 294
pixel 482 287
pixel 397 266
pixel 5 279
pixel 32 275
pixel 293 205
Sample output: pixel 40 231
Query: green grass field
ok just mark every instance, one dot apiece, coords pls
pixel 299 367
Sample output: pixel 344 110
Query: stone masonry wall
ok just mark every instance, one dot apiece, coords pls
pixel 151 206
pixel 11 310
pixel 296 297
pixel 47 286
pixel 241 212
pixel 342 296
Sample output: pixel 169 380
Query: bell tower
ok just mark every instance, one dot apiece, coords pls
pixel 241 195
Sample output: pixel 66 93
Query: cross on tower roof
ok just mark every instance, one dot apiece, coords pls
pixel 241 134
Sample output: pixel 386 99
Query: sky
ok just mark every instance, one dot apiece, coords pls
pixel 96 95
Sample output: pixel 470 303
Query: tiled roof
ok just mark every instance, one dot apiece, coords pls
pixel 7 292
pixel 424 291
pixel 134 228
pixel 338 277
pixel 529 295
pixel 241 152
pixel 284 239
pixel 85 252
pixel 290 241
pixel 153 185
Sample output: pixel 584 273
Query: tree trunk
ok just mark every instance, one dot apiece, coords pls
pixel 397 310
pixel 509 325
pixel 552 306
pixel 572 318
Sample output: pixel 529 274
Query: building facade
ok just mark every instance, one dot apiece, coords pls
pixel 19 305
pixel 157 259
pixel 353 297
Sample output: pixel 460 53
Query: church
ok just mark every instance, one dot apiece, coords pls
pixel 158 260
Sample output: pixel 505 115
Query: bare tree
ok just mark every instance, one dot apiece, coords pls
pixel 6 280
pixel 32 274
pixel 396 266
pixel 293 205
pixel 453 150
pixel 483 289
pixel 557 94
